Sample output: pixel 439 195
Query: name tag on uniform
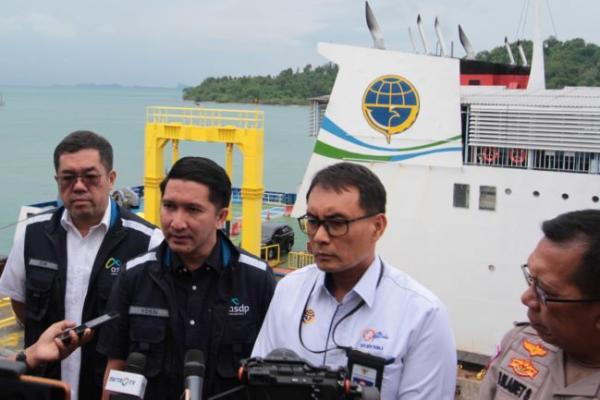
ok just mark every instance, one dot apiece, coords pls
pixel 149 311
pixel 33 262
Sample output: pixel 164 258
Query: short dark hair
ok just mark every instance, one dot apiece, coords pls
pixel 82 140
pixel 205 171
pixel 580 227
pixel 341 176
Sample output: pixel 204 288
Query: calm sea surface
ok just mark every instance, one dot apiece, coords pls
pixel 34 119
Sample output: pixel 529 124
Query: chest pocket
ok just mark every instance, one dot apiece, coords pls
pixel 237 343
pixel 147 334
pixel 40 276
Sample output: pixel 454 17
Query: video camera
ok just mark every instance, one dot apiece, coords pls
pixel 284 375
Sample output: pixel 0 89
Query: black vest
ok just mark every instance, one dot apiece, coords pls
pixel 45 257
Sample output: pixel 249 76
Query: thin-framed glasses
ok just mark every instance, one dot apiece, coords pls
pixel 89 179
pixel 541 294
pixel 335 227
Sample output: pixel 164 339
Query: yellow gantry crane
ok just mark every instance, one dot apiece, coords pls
pixel 241 128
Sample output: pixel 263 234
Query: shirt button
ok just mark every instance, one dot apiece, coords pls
pixel 192 322
pixel 194 287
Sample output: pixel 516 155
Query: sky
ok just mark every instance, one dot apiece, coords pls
pixel 169 43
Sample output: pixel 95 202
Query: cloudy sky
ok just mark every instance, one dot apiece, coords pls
pixel 165 43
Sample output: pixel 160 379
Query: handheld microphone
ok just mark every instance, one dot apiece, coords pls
pixel 193 370
pixel 131 383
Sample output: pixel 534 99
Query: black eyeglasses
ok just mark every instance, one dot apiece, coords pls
pixel 68 180
pixel 541 294
pixel 335 227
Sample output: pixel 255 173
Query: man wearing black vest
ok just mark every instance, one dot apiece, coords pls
pixel 64 263
pixel 196 291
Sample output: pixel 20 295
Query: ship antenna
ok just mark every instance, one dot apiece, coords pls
pixel 509 51
pixel 522 53
pixel 537 79
pixel 422 34
pixel 466 44
pixel 374 28
pixel 440 37
pixel 412 40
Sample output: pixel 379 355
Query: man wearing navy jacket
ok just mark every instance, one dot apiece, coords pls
pixel 63 265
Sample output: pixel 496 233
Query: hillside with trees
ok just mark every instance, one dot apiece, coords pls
pixel 288 87
pixel 570 63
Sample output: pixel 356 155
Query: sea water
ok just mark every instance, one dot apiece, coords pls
pixel 34 119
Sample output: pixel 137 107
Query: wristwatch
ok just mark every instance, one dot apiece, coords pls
pixel 22 357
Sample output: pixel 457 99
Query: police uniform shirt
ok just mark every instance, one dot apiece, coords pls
pixel 400 320
pixel 528 368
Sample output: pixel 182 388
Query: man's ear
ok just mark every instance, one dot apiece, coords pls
pixel 221 217
pixel 379 224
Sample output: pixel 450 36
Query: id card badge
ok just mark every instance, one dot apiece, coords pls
pixel 366 369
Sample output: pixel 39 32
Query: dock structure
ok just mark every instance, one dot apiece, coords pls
pixel 241 128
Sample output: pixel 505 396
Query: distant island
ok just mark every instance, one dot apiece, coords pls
pixel 288 87
pixel 570 63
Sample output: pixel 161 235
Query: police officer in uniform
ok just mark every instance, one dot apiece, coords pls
pixel 557 354
pixel 65 262
pixel 195 291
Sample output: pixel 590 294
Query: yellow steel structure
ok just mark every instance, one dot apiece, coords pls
pixel 241 128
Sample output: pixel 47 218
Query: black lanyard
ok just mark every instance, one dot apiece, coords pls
pixel 355 309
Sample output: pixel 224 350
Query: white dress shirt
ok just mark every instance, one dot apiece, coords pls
pixel 81 253
pixel 400 320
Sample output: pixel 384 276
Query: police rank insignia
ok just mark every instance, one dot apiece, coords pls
pixel 523 367
pixel 534 349
pixel 391 105
pixel 309 316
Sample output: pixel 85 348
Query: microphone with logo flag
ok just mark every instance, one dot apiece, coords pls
pixel 129 384
pixel 193 370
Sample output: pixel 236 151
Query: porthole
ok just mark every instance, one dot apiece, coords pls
pixel 536 193
pixel 508 191
pixel 595 199
pixel 565 196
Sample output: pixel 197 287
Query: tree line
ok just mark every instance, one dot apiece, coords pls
pixel 570 63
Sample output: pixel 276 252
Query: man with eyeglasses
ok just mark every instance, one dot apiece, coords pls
pixel 556 354
pixel 63 265
pixel 351 300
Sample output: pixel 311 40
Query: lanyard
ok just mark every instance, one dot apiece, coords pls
pixel 348 314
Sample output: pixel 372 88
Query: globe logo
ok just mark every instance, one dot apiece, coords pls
pixel 391 105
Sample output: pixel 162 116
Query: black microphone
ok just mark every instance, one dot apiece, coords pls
pixel 129 384
pixel 193 371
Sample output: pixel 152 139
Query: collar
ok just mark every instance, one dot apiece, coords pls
pixel 586 387
pixel 365 288
pixel 218 259
pixel 108 219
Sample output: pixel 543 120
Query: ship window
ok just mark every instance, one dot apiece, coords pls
pixel 536 193
pixel 565 196
pixel 461 195
pixel 487 198
pixel 595 199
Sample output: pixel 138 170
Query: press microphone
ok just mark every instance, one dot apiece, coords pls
pixel 129 384
pixel 193 371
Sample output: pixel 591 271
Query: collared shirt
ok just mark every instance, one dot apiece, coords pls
pixel 526 367
pixel 400 320
pixel 81 253
pixel 195 295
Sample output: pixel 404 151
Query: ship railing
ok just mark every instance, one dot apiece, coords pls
pixel 549 160
pixel 271 254
pixel 299 259
pixel 206 117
